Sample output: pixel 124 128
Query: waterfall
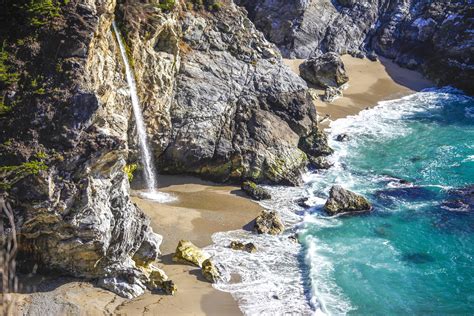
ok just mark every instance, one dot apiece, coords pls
pixel 145 152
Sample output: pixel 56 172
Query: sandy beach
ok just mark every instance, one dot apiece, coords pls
pixel 201 209
pixel 369 83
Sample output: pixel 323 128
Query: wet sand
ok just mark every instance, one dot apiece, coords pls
pixel 201 209
pixel 369 83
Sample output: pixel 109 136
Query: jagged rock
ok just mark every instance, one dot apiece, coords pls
pixel 303 202
pixel 372 56
pixel 342 137
pixel 320 163
pixel 293 238
pixel 316 144
pixel 149 249
pixel 325 71
pixel 248 247
pixel 255 191
pixel 434 37
pixel 344 201
pixel 187 252
pixel 158 280
pixel 460 200
pixel 269 223
pixel 210 272
pixel 331 94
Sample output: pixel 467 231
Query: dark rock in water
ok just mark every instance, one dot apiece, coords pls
pixel 320 163
pixel 293 238
pixel 392 195
pixel 331 94
pixel 342 137
pixel 325 71
pixel 460 200
pixel 269 223
pixel 381 231
pixel 344 201
pixel 303 202
pixel 255 191
pixel 249 247
pixel 417 258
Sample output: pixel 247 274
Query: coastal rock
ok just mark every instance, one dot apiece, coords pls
pixel 316 144
pixel 187 252
pixel 64 146
pixel 342 137
pixel 210 272
pixel 255 191
pixel 460 200
pixel 158 280
pixel 321 163
pixel 248 247
pixel 269 223
pixel 325 71
pixel 344 201
pixel 331 94
pixel 434 37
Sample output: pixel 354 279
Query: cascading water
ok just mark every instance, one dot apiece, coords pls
pixel 145 153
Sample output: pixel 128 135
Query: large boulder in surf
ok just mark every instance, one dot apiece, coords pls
pixel 344 201
pixel 460 200
pixel 269 223
pixel 248 247
pixel 255 191
pixel 187 252
pixel 325 71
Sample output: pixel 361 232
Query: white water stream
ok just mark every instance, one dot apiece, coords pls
pixel 145 152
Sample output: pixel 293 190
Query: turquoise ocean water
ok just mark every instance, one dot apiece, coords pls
pixel 415 252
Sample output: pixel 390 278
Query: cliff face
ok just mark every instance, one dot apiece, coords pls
pixel 216 99
pixel 435 37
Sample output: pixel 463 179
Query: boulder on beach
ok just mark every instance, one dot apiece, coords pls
pixel 248 247
pixel 331 94
pixel 255 191
pixel 187 252
pixel 325 71
pixel 269 223
pixel 344 201
pixel 158 280
pixel 209 271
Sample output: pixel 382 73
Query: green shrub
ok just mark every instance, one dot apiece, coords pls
pixel 167 5
pixel 129 170
pixel 7 77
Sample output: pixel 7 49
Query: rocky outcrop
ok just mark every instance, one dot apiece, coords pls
pixel 255 191
pixel 187 252
pixel 217 100
pixel 434 37
pixel 64 144
pixel 209 271
pixel 344 201
pixel 269 223
pixel 331 94
pixel 248 247
pixel 324 71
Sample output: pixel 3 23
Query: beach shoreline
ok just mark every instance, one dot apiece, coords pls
pixel 204 208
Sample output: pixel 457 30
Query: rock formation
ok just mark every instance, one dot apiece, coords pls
pixel 248 247
pixel 434 37
pixel 269 223
pixel 344 201
pixel 255 191
pixel 187 252
pixel 325 71
pixel 217 100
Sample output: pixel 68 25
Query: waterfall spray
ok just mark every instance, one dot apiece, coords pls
pixel 145 152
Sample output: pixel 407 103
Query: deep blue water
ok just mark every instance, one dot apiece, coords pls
pixel 415 252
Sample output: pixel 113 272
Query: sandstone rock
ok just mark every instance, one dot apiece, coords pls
pixel 158 280
pixel 345 201
pixel 269 223
pixel 325 71
pixel 255 191
pixel 187 252
pixel 248 247
pixel 210 272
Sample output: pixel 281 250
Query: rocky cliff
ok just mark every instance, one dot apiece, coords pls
pixel 217 102
pixel 435 37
